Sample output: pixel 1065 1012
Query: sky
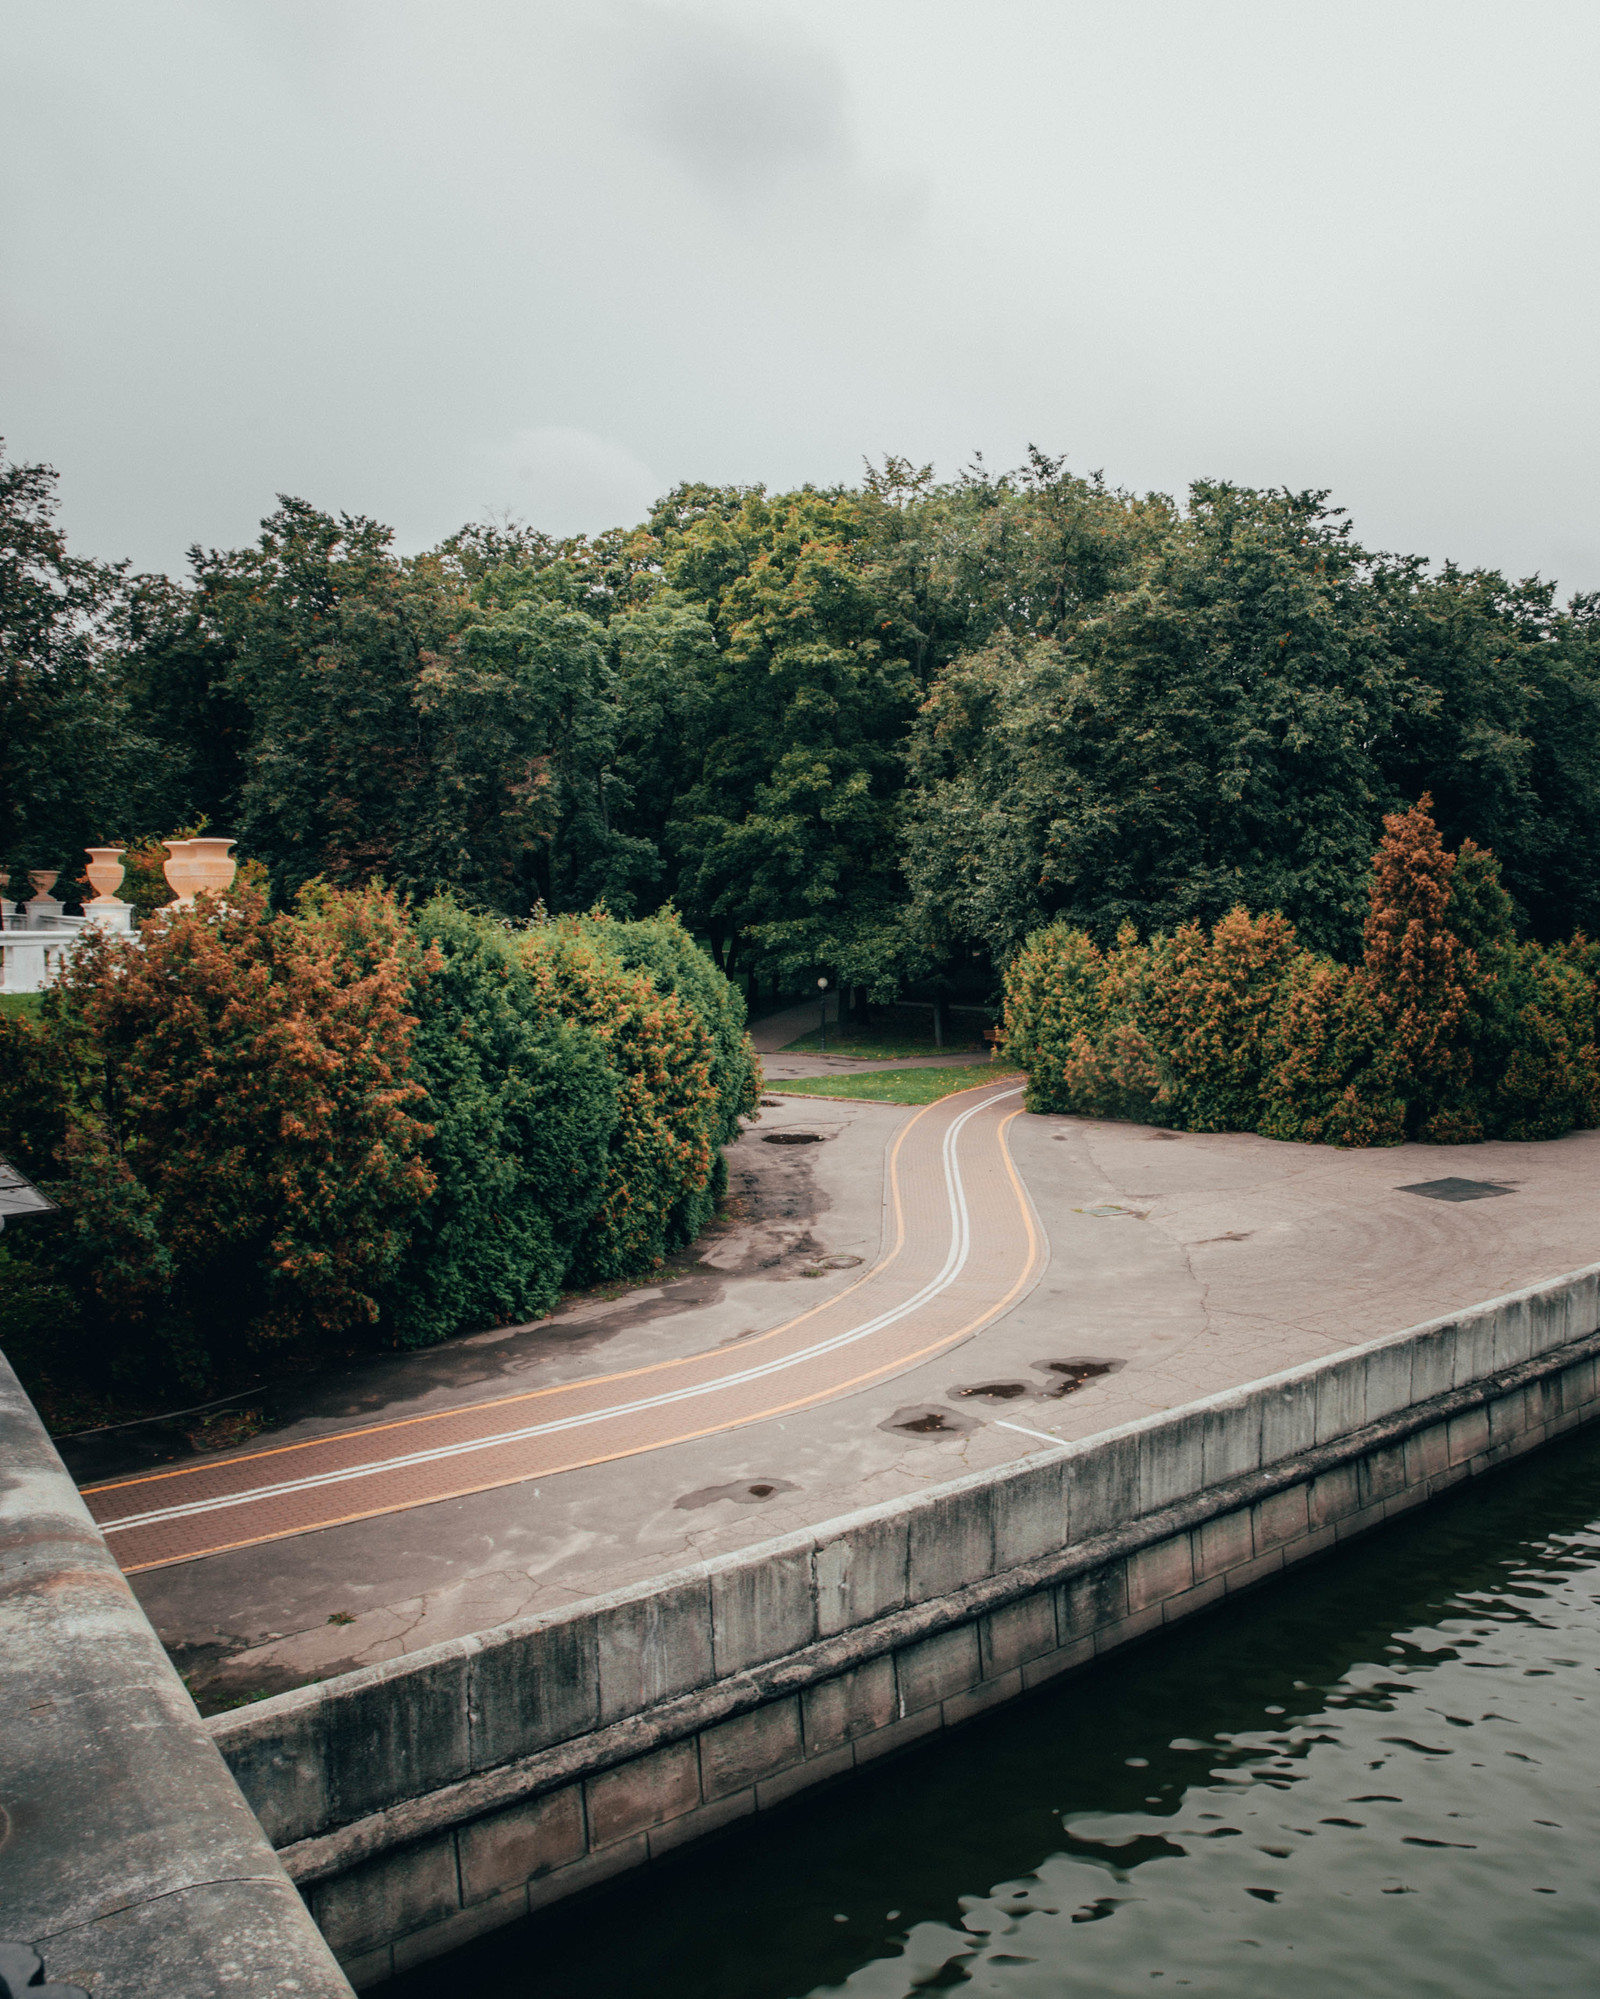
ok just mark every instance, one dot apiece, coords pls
pixel 430 261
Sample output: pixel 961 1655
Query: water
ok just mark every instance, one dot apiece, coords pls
pixel 1377 1778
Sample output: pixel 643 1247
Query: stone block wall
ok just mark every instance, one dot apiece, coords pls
pixel 422 1802
pixel 128 1859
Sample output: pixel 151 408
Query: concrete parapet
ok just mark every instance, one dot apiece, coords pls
pixel 535 1759
pixel 128 1857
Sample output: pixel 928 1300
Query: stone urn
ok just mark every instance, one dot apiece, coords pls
pixel 42 905
pixel 196 865
pixel 214 866
pixel 179 871
pixel 105 872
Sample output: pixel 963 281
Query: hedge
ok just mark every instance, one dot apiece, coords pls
pixel 521 1105
pixel 1447 1030
pixel 348 1123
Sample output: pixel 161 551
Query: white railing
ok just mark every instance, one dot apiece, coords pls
pixel 36 937
pixel 33 950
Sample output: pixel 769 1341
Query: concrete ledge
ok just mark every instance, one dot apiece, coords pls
pixel 804 1658
pixel 131 1861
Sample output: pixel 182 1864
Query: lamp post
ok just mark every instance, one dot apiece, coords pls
pixel 822 990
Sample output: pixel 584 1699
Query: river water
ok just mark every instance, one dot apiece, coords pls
pixel 1377 1778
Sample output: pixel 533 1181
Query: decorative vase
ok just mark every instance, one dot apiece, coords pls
pixel 178 868
pixel 43 879
pixel 197 866
pixel 105 872
pixel 214 867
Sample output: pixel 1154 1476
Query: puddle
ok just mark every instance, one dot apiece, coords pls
pixel 791 1138
pixel 1071 1375
pixel 927 1419
pixel 743 1492
pixel 997 1391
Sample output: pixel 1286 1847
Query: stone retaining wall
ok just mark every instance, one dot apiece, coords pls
pixel 422 1802
pixel 128 1859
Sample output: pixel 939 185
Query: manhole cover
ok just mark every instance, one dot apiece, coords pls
pixel 791 1138
pixel 838 1262
pixel 927 1419
pixel 1454 1189
pixel 742 1491
pixel 1071 1375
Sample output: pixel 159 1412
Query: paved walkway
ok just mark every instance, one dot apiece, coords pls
pixel 961 1248
pixel 1179 1265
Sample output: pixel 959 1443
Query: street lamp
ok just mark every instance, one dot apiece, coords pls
pixel 822 989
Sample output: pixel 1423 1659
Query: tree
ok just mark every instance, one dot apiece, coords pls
pixel 70 756
pixel 1200 738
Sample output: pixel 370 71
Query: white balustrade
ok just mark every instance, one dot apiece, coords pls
pixel 36 936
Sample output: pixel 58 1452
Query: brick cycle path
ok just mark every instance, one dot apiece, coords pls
pixel 962 1246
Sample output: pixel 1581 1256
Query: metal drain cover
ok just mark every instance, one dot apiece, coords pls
pixel 1455 1189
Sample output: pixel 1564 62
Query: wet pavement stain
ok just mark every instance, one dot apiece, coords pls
pixel 927 1419
pixel 1071 1375
pixel 743 1492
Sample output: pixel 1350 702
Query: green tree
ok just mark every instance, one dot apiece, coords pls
pixel 70 757
pixel 1200 738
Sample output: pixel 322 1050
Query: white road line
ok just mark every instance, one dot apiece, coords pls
pixel 1022 1430
pixel 954 1263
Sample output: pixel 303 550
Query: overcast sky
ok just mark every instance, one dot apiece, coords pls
pixel 425 260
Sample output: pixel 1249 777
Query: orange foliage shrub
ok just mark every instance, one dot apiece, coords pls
pixel 240 1148
pixel 1209 1006
pixel 1448 1030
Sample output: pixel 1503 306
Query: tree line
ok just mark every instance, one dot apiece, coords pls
pixel 883 731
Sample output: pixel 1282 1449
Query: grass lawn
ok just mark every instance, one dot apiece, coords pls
pixel 883 1044
pixel 908 1086
pixel 26 1004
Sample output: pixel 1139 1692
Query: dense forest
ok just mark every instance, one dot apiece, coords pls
pixel 883 731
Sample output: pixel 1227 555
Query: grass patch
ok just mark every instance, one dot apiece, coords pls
pixel 883 1044
pixel 23 1006
pixel 909 1086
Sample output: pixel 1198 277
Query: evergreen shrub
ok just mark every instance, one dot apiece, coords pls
pixel 1447 1030
pixel 521 1105
pixel 681 1087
